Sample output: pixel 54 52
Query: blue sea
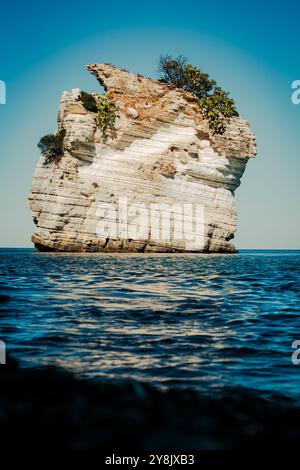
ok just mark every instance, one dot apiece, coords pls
pixel 181 320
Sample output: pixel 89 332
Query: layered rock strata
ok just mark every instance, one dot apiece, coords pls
pixel 160 181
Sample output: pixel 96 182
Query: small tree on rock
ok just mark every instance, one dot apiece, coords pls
pixel 215 104
pixel 52 146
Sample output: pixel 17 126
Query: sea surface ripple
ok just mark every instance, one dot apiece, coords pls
pixel 203 321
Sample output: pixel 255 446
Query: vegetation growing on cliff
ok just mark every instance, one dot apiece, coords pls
pixel 106 113
pixel 105 109
pixel 214 103
pixel 52 146
pixel 89 101
pixel 216 108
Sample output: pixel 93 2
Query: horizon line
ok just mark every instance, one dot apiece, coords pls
pixel 238 249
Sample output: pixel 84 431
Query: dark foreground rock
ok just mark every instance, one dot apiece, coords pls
pixel 49 408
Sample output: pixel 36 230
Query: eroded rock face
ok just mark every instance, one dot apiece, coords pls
pixel 161 152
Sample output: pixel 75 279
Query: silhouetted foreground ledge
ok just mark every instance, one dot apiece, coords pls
pixel 49 408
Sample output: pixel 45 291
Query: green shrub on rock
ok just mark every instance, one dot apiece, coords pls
pixel 185 76
pixel 216 108
pixel 105 109
pixel 52 146
pixel 215 104
pixel 198 82
pixel 106 113
pixel 89 101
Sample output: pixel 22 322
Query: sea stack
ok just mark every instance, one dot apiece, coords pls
pixel 161 154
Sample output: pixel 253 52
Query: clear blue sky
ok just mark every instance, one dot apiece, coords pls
pixel 250 48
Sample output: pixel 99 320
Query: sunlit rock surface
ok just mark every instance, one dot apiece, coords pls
pixel 161 152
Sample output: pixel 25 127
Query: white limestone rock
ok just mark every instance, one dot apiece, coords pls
pixel 133 113
pixel 162 152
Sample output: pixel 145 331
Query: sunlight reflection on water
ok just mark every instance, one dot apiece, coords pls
pixel 198 320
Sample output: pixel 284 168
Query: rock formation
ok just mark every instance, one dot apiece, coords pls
pixel 161 152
